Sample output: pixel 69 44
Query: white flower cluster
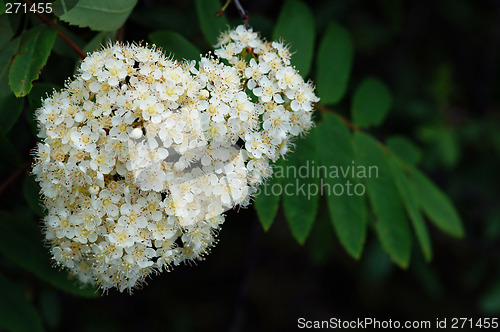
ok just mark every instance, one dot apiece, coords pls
pixel 140 155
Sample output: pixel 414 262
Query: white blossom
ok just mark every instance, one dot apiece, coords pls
pixel 138 153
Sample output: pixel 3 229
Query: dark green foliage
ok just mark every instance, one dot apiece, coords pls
pixel 21 242
pixel 333 64
pixel 295 25
pixel 300 203
pixel 371 103
pixel 267 201
pixel 175 44
pixel 16 312
pixel 419 102
pixel 348 212
pixel 34 50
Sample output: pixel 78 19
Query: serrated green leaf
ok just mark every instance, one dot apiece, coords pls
pixel 301 191
pixel 371 103
pixel 436 205
pixel 404 149
pixel 10 110
pixel 333 64
pixel 391 224
pixel 347 210
pixel 99 15
pixel 33 53
pixel 99 40
pixel 296 26
pixel 174 43
pixel 210 24
pixel 31 192
pixel 16 313
pixel 268 198
pixel 21 242
pixel 411 201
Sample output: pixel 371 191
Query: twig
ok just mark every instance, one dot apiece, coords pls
pixel 13 177
pixel 61 34
pixel 243 13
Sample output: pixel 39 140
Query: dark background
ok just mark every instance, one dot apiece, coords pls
pixel 440 59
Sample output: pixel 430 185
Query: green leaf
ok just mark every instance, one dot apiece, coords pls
pixel 31 192
pixel 33 54
pixel 10 110
pixel 174 43
pixel 371 103
pixel 210 24
pixel 16 313
pixel 301 188
pixel 296 26
pixel 268 197
pixel 404 149
pixel 411 201
pixel 437 206
pixel 99 40
pixel 334 62
pixel 21 242
pixel 347 210
pixel 391 224
pixel 99 15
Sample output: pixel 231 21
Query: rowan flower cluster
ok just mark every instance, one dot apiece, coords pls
pixel 140 155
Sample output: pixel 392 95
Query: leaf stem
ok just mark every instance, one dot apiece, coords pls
pixel 61 34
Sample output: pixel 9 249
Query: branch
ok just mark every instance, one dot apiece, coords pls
pixel 13 177
pixel 243 13
pixel 61 34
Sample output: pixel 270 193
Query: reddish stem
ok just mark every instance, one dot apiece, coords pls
pixel 13 177
pixel 61 34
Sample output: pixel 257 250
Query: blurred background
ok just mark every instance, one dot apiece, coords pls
pixel 441 61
